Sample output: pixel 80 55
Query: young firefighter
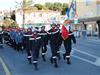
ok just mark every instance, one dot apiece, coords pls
pixel 44 41
pixel 27 42
pixel 68 37
pixel 59 39
pixel 36 43
pixel 53 34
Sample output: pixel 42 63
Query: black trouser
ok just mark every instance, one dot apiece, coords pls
pixel 68 48
pixel 53 49
pixel 44 49
pixel 29 56
pixel 35 54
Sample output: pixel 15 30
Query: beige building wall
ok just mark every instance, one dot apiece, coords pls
pixel 85 8
pixel 98 7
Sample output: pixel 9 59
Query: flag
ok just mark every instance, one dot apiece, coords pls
pixel 65 29
pixel 64 32
pixel 67 13
pixel 74 9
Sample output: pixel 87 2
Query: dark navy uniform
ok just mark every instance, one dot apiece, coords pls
pixel 27 42
pixel 44 41
pixel 53 34
pixel 36 43
pixel 59 39
pixel 68 45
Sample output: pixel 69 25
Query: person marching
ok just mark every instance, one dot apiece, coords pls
pixel 53 34
pixel 44 41
pixel 36 43
pixel 59 38
pixel 67 36
pixel 27 42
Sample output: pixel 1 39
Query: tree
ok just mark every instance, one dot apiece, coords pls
pixel 49 5
pixel 9 23
pixel 39 6
pixel 27 3
pixel 65 8
pixel 57 7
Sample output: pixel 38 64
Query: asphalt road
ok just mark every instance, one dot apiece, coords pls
pixel 85 61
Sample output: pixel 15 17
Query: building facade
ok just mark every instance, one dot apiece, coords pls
pixel 37 16
pixel 88 13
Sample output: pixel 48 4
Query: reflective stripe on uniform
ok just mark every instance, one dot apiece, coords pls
pixel 29 57
pixel 53 32
pixel 67 56
pixel 43 53
pixel 58 51
pixel 54 57
pixel 35 39
pixel 27 35
pixel 42 33
pixel 35 61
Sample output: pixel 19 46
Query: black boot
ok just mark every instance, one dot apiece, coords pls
pixel 29 60
pixel 35 65
pixel 55 63
pixel 51 60
pixel 43 57
pixel 68 61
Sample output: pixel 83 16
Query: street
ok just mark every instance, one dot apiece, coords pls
pixel 85 61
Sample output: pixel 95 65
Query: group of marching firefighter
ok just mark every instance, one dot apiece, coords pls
pixel 34 40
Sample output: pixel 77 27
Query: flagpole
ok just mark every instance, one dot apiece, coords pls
pixel 75 18
pixel 75 6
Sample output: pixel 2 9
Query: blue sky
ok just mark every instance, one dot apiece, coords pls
pixel 7 4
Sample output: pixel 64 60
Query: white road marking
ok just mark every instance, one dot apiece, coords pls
pixel 5 67
pixel 85 53
pixel 93 63
pixel 97 62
